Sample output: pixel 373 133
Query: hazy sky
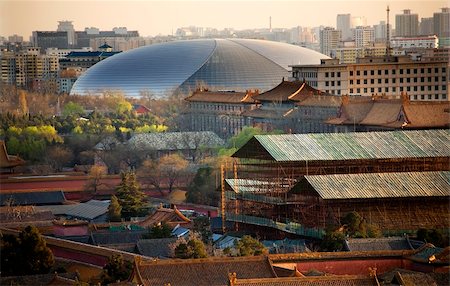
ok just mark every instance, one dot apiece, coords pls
pixel 151 18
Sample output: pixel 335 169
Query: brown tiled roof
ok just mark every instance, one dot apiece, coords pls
pixel 321 100
pixel 383 112
pixel 338 280
pixel 157 248
pixel 382 243
pixel 427 114
pixel 386 113
pixel 281 92
pixel 169 216
pixel 221 96
pixel 8 161
pixel 307 91
pixel 207 271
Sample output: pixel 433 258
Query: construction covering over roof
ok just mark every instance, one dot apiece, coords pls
pixel 33 198
pixel 89 210
pixel 381 185
pixel 347 146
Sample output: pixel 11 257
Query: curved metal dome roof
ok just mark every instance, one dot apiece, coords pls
pixel 161 69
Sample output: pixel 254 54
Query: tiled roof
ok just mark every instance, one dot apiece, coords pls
pixel 388 113
pixel 281 92
pixel 427 114
pixel 381 185
pixel 156 248
pixel 8 161
pixel 199 272
pixel 88 210
pixel 335 280
pixel 169 216
pixel 347 146
pixel 382 243
pixel 321 100
pixel 33 198
pixel 289 91
pixel 221 97
pixel 116 238
pixel 175 140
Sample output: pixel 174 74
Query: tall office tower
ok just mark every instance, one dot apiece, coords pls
pixel 380 32
pixel 364 36
pixel 67 26
pixel 442 23
pixel 343 23
pixel 358 21
pixel 406 24
pixel 426 26
pixel 329 40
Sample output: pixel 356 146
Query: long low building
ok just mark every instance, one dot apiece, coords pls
pixel 395 202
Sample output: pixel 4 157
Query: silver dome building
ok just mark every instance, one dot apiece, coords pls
pixel 161 69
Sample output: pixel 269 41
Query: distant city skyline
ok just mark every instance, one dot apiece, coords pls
pixel 153 18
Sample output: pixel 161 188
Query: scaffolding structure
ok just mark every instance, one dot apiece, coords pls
pixel 266 192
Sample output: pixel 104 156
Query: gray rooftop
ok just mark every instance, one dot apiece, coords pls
pixel 169 141
pixel 381 185
pixel 348 146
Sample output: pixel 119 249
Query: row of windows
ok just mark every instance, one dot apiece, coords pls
pixel 218 107
pixel 394 80
pixel 394 89
pixel 327 74
pixel 393 71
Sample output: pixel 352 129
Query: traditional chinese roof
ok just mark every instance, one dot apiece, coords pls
pixel 231 97
pixel 33 198
pixel 393 113
pixel 347 146
pixel 175 140
pixel 335 280
pixel 207 271
pixel 8 161
pixel 381 185
pixel 156 248
pixel 381 243
pixel 170 216
pixel 321 100
pixel 289 90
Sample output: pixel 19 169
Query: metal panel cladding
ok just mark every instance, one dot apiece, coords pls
pixel 161 69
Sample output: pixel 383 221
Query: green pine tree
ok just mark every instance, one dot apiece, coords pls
pixel 130 195
pixel 114 209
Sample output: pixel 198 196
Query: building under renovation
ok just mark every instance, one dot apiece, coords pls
pixel 302 183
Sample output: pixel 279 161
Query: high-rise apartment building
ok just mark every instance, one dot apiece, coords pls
pixel 344 24
pixel 364 36
pixel 22 68
pixel 426 26
pixel 406 24
pixel 441 25
pixel 381 32
pixel 329 40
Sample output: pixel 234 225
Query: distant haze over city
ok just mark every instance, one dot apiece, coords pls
pixel 153 18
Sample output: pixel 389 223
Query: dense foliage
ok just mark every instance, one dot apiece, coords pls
pixel 161 230
pixel 116 269
pixel 249 246
pixel 26 254
pixel 203 189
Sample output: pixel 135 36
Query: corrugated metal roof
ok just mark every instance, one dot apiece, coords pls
pixel 89 210
pixel 351 146
pixel 381 185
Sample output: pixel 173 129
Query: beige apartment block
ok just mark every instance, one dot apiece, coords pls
pixel 421 80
